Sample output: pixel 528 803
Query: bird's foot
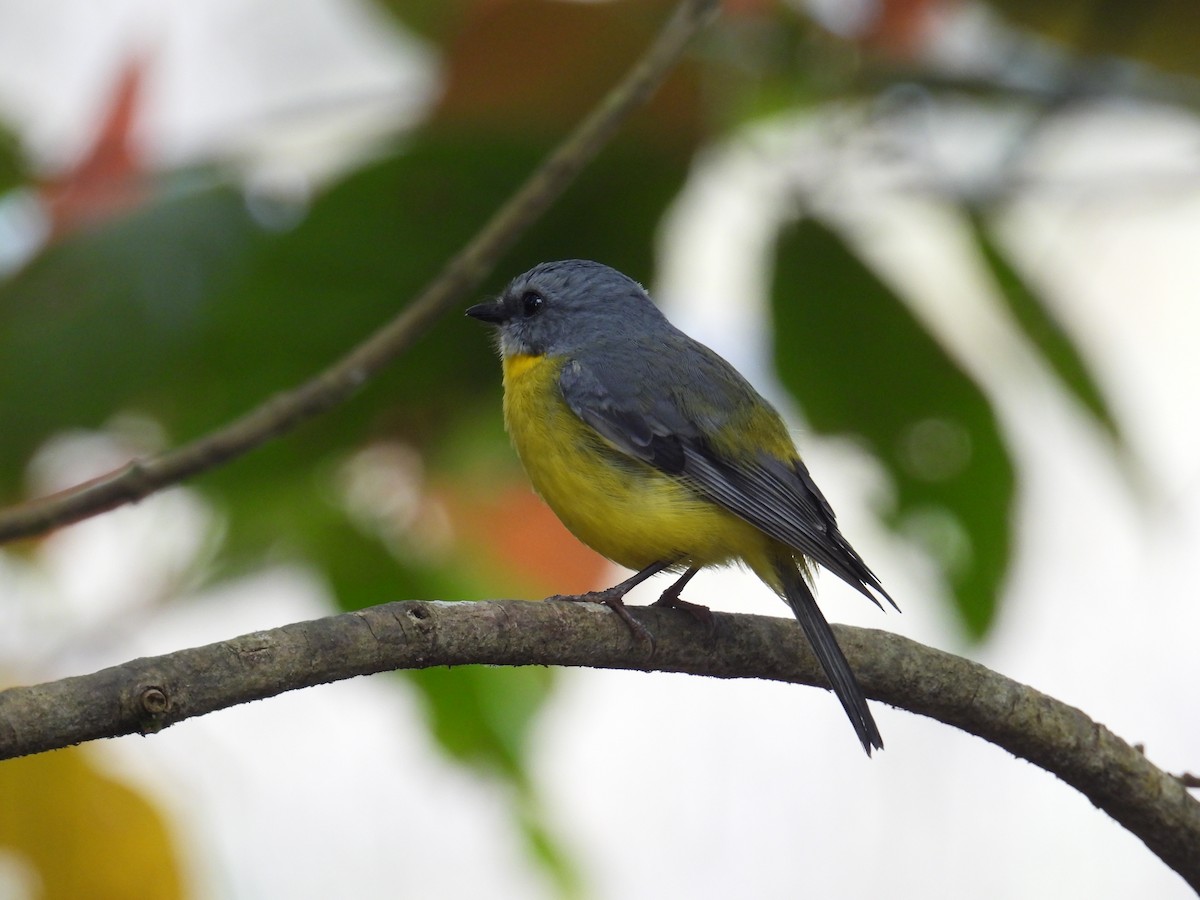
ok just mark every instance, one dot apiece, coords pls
pixel 670 600
pixel 614 599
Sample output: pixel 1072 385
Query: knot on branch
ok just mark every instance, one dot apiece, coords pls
pixel 154 702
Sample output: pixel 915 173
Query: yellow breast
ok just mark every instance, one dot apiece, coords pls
pixel 623 508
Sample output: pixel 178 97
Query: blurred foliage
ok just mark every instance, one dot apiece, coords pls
pixel 861 364
pixel 1161 33
pixel 201 304
pixel 1043 329
pixel 12 168
pixel 204 302
pixel 482 716
pixel 83 834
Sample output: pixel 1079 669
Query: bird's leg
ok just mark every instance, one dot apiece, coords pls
pixel 670 599
pixel 614 598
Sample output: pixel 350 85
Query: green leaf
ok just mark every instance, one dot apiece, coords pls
pixel 483 717
pixel 481 714
pixel 1044 330
pixel 543 845
pixel 861 364
pixel 106 321
pixel 12 162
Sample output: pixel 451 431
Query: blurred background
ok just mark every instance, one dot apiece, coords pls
pixel 954 241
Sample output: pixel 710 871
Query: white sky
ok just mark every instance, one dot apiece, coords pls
pixel 670 785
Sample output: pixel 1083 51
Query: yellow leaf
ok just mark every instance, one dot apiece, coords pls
pixel 83 833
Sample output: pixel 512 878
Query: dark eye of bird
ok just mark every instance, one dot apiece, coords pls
pixel 531 303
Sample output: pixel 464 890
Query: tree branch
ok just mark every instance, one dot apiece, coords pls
pixel 284 411
pixel 147 695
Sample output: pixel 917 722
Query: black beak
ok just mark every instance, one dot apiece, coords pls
pixel 493 313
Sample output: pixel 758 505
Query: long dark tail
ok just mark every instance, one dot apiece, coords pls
pixel 804 605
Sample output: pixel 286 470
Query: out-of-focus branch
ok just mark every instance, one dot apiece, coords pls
pixel 284 411
pixel 147 695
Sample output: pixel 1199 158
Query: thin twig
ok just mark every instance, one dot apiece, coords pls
pixel 337 383
pixel 147 695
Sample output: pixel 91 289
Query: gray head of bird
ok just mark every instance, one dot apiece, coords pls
pixel 562 307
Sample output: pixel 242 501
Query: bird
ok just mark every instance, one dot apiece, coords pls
pixel 657 453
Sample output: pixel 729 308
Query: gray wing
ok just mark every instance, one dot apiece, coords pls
pixel 630 402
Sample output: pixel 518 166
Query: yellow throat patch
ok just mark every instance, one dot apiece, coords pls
pixel 517 364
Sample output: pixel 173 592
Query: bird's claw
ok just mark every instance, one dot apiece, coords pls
pixel 616 602
pixel 701 614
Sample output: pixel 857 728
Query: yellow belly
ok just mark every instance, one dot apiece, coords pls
pixel 624 509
